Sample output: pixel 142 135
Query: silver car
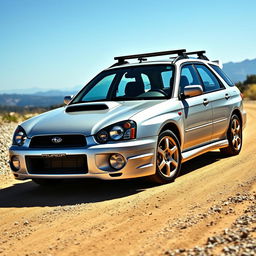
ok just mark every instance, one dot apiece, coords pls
pixel 134 120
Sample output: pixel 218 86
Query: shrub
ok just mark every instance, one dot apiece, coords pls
pixel 250 92
pixel 10 117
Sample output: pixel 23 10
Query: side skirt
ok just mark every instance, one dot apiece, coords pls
pixel 201 150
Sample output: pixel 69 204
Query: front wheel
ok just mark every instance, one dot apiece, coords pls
pixel 234 136
pixel 168 158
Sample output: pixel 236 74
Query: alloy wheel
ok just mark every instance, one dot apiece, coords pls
pixel 167 156
pixel 236 134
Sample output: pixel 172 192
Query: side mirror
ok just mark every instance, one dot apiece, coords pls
pixel 192 90
pixel 67 99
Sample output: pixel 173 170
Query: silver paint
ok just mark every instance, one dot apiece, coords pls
pixel 202 127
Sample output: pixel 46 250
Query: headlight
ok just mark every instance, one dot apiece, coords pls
pixel 125 130
pixel 19 136
pixel 116 133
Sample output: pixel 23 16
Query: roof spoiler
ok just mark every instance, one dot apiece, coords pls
pixel 220 64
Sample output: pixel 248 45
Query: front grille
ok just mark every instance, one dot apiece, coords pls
pixel 74 164
pixel 67 141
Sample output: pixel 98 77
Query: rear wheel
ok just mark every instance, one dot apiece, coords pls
pixel 168 158
pixel 234 136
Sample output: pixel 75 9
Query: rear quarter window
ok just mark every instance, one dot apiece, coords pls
pixel 222 74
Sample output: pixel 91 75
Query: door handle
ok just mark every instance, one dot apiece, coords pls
pixel 227 96
pixel 205 102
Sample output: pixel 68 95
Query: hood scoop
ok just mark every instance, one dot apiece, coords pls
pixel 86 107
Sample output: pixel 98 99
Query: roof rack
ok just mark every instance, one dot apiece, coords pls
pixel 200 54
pixel 182 54
pixel 142 57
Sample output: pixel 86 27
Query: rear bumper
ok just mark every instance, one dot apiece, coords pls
pixel 139 156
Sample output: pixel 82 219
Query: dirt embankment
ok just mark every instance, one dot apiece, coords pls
pixel 209 210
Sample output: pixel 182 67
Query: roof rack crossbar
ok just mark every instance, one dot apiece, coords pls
pixel 200 54
pixel 121 59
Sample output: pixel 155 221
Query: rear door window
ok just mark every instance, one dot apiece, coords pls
pixel 209 80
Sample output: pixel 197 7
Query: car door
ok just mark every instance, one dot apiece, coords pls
pixel 197 111
pixel 219 98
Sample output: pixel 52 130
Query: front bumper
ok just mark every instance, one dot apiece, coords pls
pixel 139 155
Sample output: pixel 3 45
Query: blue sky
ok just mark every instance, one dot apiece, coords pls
pixel 60 44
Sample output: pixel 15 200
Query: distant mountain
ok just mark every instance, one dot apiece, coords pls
pixel 238 71
pixel 31 90
pixel 39 97
pixel 43 91
pixel 35 99
pixel 28 100
pixel 54 93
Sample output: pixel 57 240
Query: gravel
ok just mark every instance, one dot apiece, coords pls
pixel 7 130
pixel 238 239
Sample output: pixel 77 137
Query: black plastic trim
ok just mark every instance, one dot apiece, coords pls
pixel 142 56
pixel 89 107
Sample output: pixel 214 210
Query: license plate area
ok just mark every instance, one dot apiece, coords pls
pixel 57 164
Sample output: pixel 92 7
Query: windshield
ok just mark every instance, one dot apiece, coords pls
pixel 132 83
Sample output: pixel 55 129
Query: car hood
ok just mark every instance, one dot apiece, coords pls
pixel 85 118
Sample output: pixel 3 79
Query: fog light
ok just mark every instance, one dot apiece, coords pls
pixel 117 161
pixel 15 163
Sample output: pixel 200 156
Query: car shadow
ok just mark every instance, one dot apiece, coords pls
pixel 201 161
pixel 29 194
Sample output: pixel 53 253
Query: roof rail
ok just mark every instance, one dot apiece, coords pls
pixel 142 57
pixel 200 54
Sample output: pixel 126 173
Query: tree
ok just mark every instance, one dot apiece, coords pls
pixel 248 87
pixel 241 86
pixel 250 79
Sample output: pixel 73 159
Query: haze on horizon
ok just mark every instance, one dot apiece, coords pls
pixel 62 44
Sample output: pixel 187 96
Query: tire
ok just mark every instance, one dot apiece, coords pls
pixel 168 158
pixel 47 182
pixel 234 136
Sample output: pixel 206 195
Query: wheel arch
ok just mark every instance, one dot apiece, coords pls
pixel 174 128
pixel 239 114
pixel 232 149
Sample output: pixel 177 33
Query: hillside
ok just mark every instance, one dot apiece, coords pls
pixel 23 100
pixel 238 71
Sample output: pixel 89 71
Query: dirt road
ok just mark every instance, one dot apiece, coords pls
pixel 197 212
